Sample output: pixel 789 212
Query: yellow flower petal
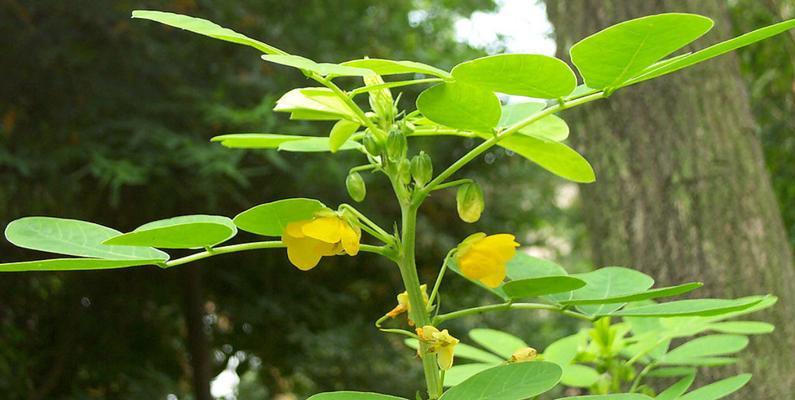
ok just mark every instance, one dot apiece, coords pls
pixel 294 229
pixel 327 229
pixel 483 258
pixel 350 239
pixel 445 356
pixel 302 252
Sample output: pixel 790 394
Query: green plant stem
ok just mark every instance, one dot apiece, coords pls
pixel 452 184
pixel 351 104
pixel 439 319
pixel 376 231
pixel 274 244
pixel 469 156
pixel 408 272
pixel 439 278
pixel 641 375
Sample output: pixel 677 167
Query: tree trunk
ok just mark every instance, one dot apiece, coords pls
pixel 198 344
pixel 682 192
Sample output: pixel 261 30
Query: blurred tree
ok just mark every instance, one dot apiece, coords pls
pixel 682 189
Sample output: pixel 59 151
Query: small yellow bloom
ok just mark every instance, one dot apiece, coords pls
pixel 524 354
pixel 308 241
pixel 483 258
pixel 439 342
pixel 405 306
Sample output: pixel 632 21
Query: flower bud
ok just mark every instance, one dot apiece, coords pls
pixel 356 188
pixel 372 144
pixel 469 202
pixel 404 171
pixel 396 145
pixel 380 100
pixel 524 354
pixel 421 168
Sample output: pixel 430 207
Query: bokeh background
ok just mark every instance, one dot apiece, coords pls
pixel 107 119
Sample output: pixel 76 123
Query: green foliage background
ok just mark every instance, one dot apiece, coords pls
pixel 108 119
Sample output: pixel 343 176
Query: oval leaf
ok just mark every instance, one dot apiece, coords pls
pixel 314 104
pixel 699 307
pixel 618 396
pixel 353 396
pixel 75 238
pixel 461 106
pixel 577 375
pixel 743 327
pixel 554 157
pixel 507 382
pixel 341 132
pixel 185 232
pixel 391 67
pixel 647 295
pixel 719 389
pixel 255 140
pixel 707 346
pixel 74 264
pixel 501 343
pixel 612 56
pixel 315 145
pixel 270 219
pixel 306 64
pixel 459 373
pixel 533 287
pixel 531 75
pixel 606 283
pixel 204 27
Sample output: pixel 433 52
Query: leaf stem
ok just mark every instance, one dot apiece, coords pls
pixel 452 184
pixel 439 319
pixel 439 278
pixel 387 85
pixel 377 231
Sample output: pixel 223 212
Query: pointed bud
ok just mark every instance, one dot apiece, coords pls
pixel 381 101
pixel 372 145
pixel 356 188
pixel 469 201
pixel 421 168
pixel 396 145
pixel 404 171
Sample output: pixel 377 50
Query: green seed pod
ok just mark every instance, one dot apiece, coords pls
pixel 421 168
pixel 396 145
pixel 404 171
pixel 356 187
pixel 381 101
pixel 469 202
pixel 372 144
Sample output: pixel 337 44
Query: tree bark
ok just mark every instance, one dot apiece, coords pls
pixel 198 343
pixel 682 192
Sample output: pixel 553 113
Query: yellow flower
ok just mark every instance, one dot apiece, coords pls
pixel 308 241
pixel 405 306
pixel 483 258
pixel 524 354
pixel 439 342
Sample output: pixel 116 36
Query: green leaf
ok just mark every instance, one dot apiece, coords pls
pixel 306 64
pixel 605 283
pixel 465 351
pixel 204 27
pixel 459 373
pixel 577 375
pixel 515 112
pixel 719 389
pixel 461 106
pixel 501 343
pixel 533 287
pixel 185 232
pixel 714 51
pixel 743 327
pixel 612 56
pixel 391 67
pixel 270 219
pixel 618 396
pixel 550 127
pixel 707 346
pixel 555 157
pixel 531 75
pixel 699 307
pixel 346 395
pixel 516 381
pixel 74 264
pixel 255 140
pixel 677 389
pixel 563 351
pixel 523 266
pixel 341 132
pixel 315 104
pixel 647 295
pixel 74 238
pixel 315 145
pixel 671 372
pixel 702 361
